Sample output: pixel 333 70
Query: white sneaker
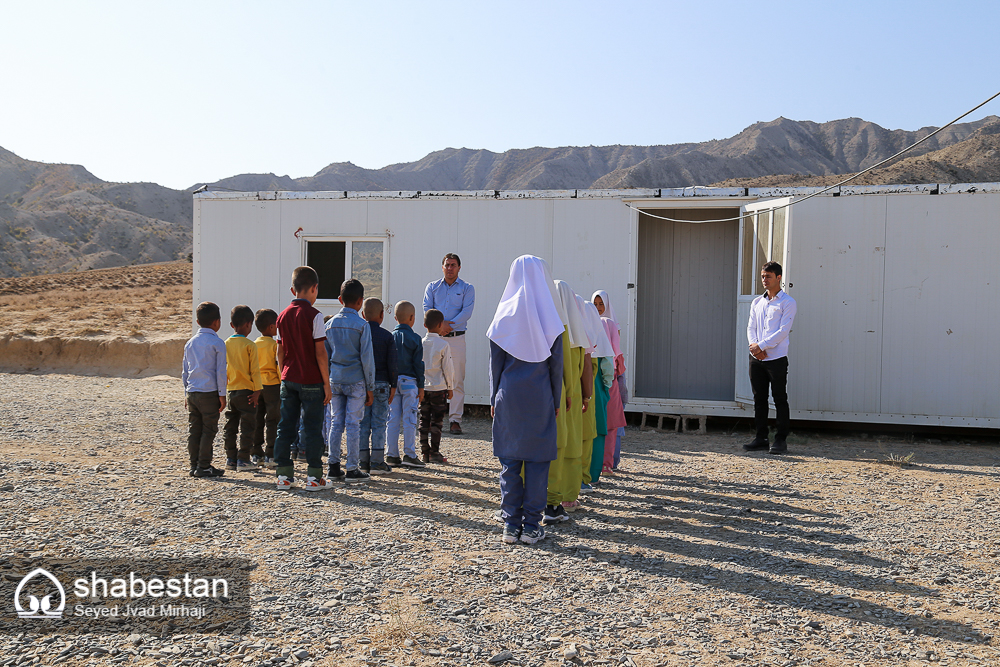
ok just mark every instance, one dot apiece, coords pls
pixel 284 483
pixel 318 484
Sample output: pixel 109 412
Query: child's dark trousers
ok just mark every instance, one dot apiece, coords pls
pixel 241 417
pixel 203 425
pixel 433 409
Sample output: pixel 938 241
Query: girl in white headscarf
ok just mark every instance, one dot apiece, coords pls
pixel 526 375
pixel 603 355
pixel 616 404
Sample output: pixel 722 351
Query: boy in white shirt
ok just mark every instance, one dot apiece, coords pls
pixel 439 381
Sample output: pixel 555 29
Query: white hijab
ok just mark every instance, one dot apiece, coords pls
pixel 571 314
pixel 527 321
pixel 600 344
pixel 609 311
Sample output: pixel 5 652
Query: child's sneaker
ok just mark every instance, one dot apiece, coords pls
pixel 532 535
pixel 356 475
pixel 394 460
pixel 586 488
pixel 318 484
pixel 379 469
pixel 210 471
pixel 436 457
pixel 571 505
pixel 335 472
pixel 510 533
pixel 555 514
pixel 193 468
pixel 246 466
pixel 257 460
pixel 269 462
pixel 283 483
pixel 231 464
pixel 411 462
pixel 365 467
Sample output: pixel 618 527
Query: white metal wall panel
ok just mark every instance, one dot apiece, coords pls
pixel 240 243
pixel 942 306
pixel 836 280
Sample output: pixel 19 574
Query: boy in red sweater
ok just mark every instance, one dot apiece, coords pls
pixel 305 382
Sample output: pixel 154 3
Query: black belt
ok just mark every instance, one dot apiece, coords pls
pixel 454 333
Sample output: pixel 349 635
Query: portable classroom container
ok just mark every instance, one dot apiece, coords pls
pixel 897 286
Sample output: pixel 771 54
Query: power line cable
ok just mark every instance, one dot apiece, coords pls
pixel 835 185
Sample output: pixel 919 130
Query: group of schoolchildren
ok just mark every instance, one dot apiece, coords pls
pixel 557 394
pixel 307 380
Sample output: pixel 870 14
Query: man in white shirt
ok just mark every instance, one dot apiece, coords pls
pixel 771 317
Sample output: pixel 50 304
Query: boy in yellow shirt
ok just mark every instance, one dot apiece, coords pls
pixel 269 403
pixel 243 385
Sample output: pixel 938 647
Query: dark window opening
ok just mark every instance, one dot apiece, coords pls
pixel 328 258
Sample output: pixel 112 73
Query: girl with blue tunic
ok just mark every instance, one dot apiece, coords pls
pixel 526 368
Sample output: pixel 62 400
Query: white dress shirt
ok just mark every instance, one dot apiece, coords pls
pixel 439 373
pixel 770 322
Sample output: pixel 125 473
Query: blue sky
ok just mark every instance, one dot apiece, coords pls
pixel 182 92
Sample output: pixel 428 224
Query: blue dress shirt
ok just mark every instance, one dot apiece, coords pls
pixel 204 363
pixel 455 301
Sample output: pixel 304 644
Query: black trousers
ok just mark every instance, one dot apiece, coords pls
pixel 268 415
pixel 203 425
pixel 241 419
pixel 771 375
pixel 433 409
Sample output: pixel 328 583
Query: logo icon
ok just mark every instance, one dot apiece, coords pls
pixel 40 608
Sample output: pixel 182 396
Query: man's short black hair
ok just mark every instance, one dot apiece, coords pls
pixel 433 319
pixel 304 277
pixel 241 315
pixel 772 267
pixel 453 256
pixel 264 318
pixel 206 313
pixel 352 291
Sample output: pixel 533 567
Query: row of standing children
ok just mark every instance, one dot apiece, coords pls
pixel 366 381
pixel 556 370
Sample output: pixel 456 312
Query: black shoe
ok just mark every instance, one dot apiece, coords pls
pixel 455 428
pixel 366 466
pixel 394 460
pixel 779 447
pixel 756 445
pixel 411 462
pixel 210 471
pixel 193 468
pixel 555 514
pixel 334 472
pixel 356 475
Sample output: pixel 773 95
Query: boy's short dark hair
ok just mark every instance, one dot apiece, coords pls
pixel 433 318
pixel 304 277
pixel 241 315
pixel 206 313
pixel 453 256
pixel 352 291
pixel 264 318
pixel 772 267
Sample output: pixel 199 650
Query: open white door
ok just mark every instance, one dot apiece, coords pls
pixel 764 232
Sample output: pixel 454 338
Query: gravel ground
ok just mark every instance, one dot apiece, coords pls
pixel 695 554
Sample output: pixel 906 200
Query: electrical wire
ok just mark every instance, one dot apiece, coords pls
pixel 835 185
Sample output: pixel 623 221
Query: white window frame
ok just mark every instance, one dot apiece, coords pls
pixel 348 242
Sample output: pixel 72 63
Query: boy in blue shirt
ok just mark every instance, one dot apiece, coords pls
pixel 373 424
pixel 352 380
pixel 409 389
pixel 204 378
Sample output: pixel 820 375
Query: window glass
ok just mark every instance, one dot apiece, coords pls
pixel 366 266
pixel 748 279
pixel 778 236
pixel 328 258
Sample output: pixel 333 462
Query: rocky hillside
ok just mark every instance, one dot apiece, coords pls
pixel 781 146
pixel 58 217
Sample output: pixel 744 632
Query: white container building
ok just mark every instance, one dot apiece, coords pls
pixel 897 286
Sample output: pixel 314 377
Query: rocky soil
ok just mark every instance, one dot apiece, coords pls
pixel 695 554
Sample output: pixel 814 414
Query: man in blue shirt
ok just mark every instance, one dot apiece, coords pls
pixel 455 298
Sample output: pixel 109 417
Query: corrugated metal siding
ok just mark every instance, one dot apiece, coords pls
pixel 942 306
pixel 835 345
pixel 685 321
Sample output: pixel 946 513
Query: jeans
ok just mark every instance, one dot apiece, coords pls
pixel 522 501
pixel 403 412
pixel 305 400
pixel 373 426
pixel 773 373
pixel 346 412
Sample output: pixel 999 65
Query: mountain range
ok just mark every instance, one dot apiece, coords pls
pixel 58 217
